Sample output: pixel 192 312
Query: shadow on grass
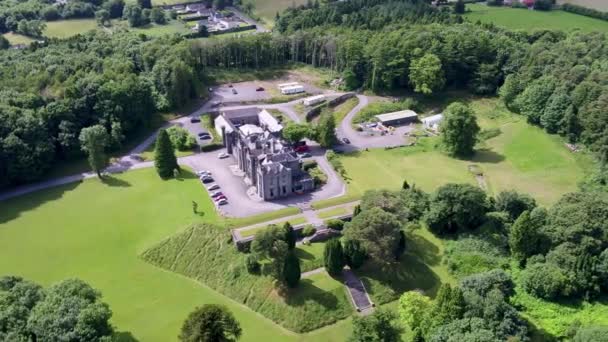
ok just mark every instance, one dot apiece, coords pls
pixel 423 249
pixel 12 208
pixel 387 283
pixel 110 180
pixel 305 255
pixel 307 291
pixel 123 336
pixel 486 156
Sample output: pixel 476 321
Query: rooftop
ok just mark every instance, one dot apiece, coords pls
pixel 241 113
pixel 433 118
pixel 251 129
pixel 402 114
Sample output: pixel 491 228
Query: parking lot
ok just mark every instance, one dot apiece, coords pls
pixel 245 92
pixel 233 187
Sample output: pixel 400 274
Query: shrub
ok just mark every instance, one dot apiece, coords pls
pixel 253 266
pixel 543 280
pixel 211 147
pixel 308 230
pixel 335 224
pixel 309 164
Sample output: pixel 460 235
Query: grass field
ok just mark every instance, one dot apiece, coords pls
pixel 68 28
pixel 267 9
pixel 333 212
pixel 311 256
pixel 154 30
pixel 253 231
pixel 16 38
pixel 517 18
pixel 521 157
pixel 95 231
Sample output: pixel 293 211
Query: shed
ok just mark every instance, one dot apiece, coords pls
pixel 283 85
pixel 397 118
pixel 432 122
pixel 313 100
pixel 294 89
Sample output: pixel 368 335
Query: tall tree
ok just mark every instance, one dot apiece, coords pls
pixel 333 257
pixel 17 299
pixel 93 141
pixel 210 323
pixel 377 327
pixel 354 254
pixel 514 203
pixel 426 74
pixel 290 235
pixel 291 270
pixel 459 7
pixel 456 207
pixel 71 311
pixel 413 307
pixel 326 130
pixel 378 233
pixel 459 130
pixel 295 132
pixel 164 156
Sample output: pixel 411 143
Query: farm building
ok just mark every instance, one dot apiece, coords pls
pixel 432 122
pixel 397 118
pixel 313 100
pixel 294 89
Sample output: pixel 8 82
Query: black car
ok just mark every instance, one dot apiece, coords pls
pixel 346 141
pixel 204 137
pixel 203 133
pixel 234 91
pixel 195 120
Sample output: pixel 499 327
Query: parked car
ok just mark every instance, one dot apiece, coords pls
pixel 205 137
pixel 220 198
pixel 195 120
pixel 222 155
pixel 202 172
pixel 259 89
pixel 207 180
pixel 213 187
pixel 234 91
pixel 345 140
pixel 222 202
pixel 216 194
pixel 304 155
pixel 210 90
pixel 230 85
pixel 215 103
pixel 301 149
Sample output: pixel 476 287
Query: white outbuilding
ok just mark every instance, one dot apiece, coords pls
pixel 313 100
pixel 294 89
pixel 432 122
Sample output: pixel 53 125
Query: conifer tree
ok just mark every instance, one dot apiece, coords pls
pixel 333 257
pixel 291 270
pixel 164 156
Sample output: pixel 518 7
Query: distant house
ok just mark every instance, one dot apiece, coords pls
pixel 432 122
pixel 397 118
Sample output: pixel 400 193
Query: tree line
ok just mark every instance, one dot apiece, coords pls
pixel 51 93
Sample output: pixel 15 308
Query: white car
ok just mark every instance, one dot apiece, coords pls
pixel 213 187
pixel 222 155
pixel 203 172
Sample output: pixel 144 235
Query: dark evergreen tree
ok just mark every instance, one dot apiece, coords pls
pixel 164 156
pixel 333 257
pixel 291 270
pixel 405 185
pixel 356 210
pixel 290 235
pixel 354 254
pixel 459 7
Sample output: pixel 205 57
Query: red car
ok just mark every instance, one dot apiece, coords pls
pixel 301 148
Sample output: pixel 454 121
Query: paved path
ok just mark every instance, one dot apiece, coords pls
pixel 313 272
pixel 358 293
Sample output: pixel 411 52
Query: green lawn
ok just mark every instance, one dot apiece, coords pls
pixel 522 157
pixel 267 9
pixel 154 30
pixel 517 18
pixel 311 256
pixel 16 38
pixel 332 212
pixel 95 231
pixel 68 28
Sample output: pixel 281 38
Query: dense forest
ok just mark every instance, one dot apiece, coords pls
pixel 557 80
pixel 49 94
